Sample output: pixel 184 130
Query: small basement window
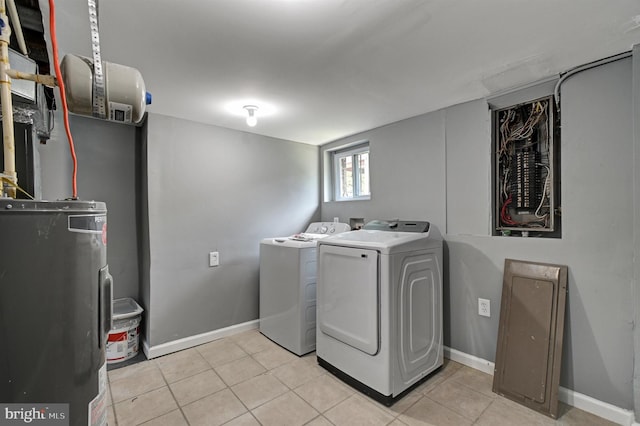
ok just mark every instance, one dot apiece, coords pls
pixel 351 173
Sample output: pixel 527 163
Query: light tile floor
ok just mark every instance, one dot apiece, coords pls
pixel 246 379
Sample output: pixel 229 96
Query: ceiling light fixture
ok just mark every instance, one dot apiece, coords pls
pixel 252 120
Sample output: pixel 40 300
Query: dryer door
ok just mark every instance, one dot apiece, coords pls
pixel 347 296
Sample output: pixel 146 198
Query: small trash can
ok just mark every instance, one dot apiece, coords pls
pixel 123 340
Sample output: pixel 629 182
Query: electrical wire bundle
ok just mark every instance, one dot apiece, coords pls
pixel 520 160
pixel 63 98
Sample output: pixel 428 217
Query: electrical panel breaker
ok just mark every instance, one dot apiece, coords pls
pixel 526 169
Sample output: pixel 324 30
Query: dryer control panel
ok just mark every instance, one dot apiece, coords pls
pixel 398 226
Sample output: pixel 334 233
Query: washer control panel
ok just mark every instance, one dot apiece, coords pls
pixel 327 228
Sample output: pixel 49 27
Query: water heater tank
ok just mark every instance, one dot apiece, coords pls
pixel 125 93
pixel 55 309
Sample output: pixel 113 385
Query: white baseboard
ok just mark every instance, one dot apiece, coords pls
pixel 469 360
pixel 199 339
pixel 597 407
pixel 145 347
pixel 575 399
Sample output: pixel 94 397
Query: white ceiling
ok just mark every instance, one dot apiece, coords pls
pixel 332 68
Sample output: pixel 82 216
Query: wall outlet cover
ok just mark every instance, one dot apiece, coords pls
pixel 214 258
pixel 484 307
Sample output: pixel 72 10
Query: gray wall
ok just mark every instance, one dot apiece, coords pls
pixel 636 226
pixel 215 189
pixel 407 173
pixel 437 167
pixel 107 165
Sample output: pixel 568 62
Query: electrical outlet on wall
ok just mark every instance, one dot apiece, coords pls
pixel 484 307
pixel 214 258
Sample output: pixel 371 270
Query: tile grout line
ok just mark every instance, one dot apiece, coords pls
pixel 318 416
pixel 236 395
pixel 321 412
pixel 227 385
pixel 184 416
pixel 212 368
pixel 148 392
pixel 457 383
pixel 267 371
pixel 113 404
pixel 243 404
pixel 191 376
pixel 422 395
pixel 289 389
pixel 131 398
pixel 158 363
pixel 246 354
pixel 230 386
pixel 469 388
pixel 484 411
pixel 450 409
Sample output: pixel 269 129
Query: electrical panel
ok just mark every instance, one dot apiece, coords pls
pixel 526 169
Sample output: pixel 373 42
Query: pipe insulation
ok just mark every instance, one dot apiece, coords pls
pixel 47 80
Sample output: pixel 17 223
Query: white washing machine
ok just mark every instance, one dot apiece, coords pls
pixel 288 286
pixel 379 306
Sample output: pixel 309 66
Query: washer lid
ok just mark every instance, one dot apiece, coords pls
pixel 288 242
pixel 309 238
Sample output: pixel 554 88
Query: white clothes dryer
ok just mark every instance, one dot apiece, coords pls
pixel 288 286
pixel 379 306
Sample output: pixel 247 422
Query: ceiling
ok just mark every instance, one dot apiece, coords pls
pixel 332 68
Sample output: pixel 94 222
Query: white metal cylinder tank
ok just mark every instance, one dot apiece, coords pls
pixel 125 93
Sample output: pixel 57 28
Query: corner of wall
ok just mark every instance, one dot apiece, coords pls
pixel 144 289
pixel 636 225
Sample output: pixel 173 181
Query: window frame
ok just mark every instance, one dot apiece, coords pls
pixel 351 151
